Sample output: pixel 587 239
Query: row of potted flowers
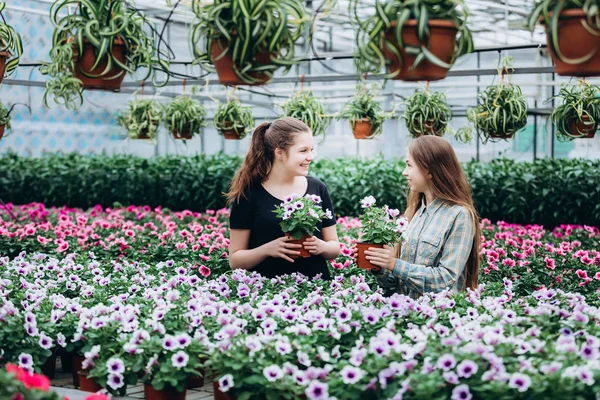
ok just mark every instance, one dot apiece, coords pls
pixel 292 337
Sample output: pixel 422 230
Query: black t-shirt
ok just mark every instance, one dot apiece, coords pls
pixel 255 212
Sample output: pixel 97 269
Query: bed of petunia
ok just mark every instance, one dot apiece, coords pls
pixel 145 308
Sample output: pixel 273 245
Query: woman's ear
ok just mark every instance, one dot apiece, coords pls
pixel 278 154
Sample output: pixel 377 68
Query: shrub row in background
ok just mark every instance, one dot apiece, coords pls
pixel 548 192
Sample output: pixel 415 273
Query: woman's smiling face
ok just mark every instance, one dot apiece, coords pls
pixel 300 154
pixel 416 177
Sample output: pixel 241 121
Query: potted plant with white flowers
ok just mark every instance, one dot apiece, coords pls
pixel 299 218
pixel 380 226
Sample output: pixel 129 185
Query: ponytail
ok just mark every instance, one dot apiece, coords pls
pixel 256 166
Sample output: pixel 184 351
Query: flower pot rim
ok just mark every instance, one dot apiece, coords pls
pixel 435 23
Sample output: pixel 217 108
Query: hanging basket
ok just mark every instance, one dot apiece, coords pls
pixel 582 129
pixel 3 57
pixel 442 44
pixel 363 129
pixel 225 68
pixel 361 260
pixel 575 41
pixel 90 77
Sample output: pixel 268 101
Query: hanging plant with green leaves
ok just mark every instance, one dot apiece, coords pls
pixel 578 114
pixel 95 43
pixel 399 35
pixel 246 41
pixel 572 28
pixel 233 120
pixel 10 44
pixel 142 119
pixel 427 113
pixel 364 108
pixel 307 108
pixel 4 116
pixel 185 117
pixel 502 109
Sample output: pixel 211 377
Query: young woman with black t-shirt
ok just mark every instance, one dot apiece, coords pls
pixel 276 167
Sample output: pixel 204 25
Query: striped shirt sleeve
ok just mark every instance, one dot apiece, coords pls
pixel 455 254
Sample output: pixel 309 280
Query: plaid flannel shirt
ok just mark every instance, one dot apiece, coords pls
pixel 435 250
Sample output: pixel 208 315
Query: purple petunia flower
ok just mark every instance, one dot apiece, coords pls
pixel 180 359
pixel 26 361
pixel 115 381
pixel 461 392
pixel 446 362
pixel 115 366
pixel 273 372
pixel 467 368
pixel 317 390
pixel 519 381
pixel 226 383
pixel 351 375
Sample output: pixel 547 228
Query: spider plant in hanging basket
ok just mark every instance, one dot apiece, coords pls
pixel 94 46
pixel 572 32
pixel 246 41
pixel 307 108
pixel 413 39
pixel 502 109
pixel 427 113
pixel 142 119
pixel 11 47
pixel 185 117
pixel 4 119
pixel 233 120
pixel 364 113
pixel 578 115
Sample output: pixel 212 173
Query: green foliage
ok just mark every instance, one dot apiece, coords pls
pixel 102 24
pixel 381 225
pixel 308 109
pixel 548 192
pixel 427 113
pixel 370 31
pixel 579 104
pixel 184 114
pixel 142 119
pixel 10 42
pixel 247 28
pixel 234 116
pixel 300 215
pixel 364 106
pixel 549 13
pixel 4 115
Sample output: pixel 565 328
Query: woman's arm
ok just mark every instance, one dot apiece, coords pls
pixel 422 278
pixel 240 257
pixel 328 248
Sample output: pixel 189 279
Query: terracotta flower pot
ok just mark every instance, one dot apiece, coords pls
pixel 87 384
pixel 361 260
pixel 303 252
pixel 187 135
pixel 582 129
pixel 3 57
pixel 501 135
pixel 2 128
pixel 230 134
pixel 224 65
pixel 111 81
pixel 194 382
pixel 76 365
pixel 575 41
pixel 168 393
pixel 442 43
pixel 49 367
pixel 428 128
pixel 363 129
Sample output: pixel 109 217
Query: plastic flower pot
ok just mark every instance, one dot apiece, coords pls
pixel 194 382
pixel 66 360
pixel 76 365
pixel 186 134
pixel 363 129
pixel 49 367
pixel 87 384
pixel 361 260
pixel 225 68
pixel 3 57
pixel 582 129
pixel 303 252
pixel 2 128
pixel 218 395
pixel 91 77
pixel 167 393
pixel 575 41
pixel 442 43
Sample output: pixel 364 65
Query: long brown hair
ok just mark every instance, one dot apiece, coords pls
pixel 435 156
pixel 258 162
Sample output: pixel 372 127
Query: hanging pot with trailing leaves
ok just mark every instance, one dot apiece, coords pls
pixel 141 119
pixel 246 41
pixel 414 40
pixel 185 117
pixel 304 106
pixel 364 113
pixel 11 47
pixel 233 120
pixel 578 114
pixel 427 113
